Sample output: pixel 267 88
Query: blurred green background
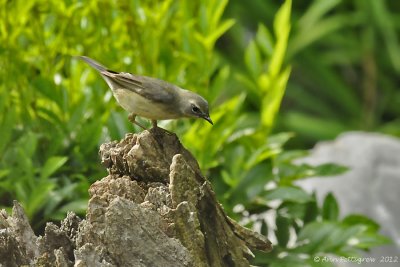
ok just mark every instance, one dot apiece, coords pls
pixel 327 66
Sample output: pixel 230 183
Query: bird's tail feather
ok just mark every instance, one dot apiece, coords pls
pixel 93 63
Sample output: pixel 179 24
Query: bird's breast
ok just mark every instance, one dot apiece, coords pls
pixel 143 107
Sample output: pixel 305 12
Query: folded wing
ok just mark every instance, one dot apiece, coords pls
pixel 153 89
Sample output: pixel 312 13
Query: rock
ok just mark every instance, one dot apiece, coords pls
pixel 155 208
pixel 17 239
pixel 371 185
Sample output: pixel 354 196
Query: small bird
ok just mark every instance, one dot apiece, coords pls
pixel 151 98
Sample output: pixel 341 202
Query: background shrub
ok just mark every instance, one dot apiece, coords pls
pixel 55 111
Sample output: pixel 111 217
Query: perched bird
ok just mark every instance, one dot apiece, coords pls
pixel 151 98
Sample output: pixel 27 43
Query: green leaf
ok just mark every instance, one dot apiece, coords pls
pixel 311 211
pixel 264 40
pixel 218 11
pixel 227 178
pixel 28 144
pixel 278 140
pixel 260 155
pixel 295 260
pixel 6 124
pixel 38 196
pixel 211 39
pixel 316 11
pixel 330 237
pixel 385 21
pixel 264 228
pixel 369 239
pixel 77 206
pixel 282 231
pixel 321 29
pixel 281 30
pixel 290 172
pixel 312 126
pixel 48 89
pixel 253 59
pixel 4 172
pixel 51 166
pixel 291 155
pixel 314 235
pixel 286 193
pixel 273 97
pixel 330 169
pixel 354 219
pixel 330 208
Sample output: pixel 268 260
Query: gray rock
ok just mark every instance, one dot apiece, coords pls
pixel 371 186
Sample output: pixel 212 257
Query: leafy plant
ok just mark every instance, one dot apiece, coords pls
pixel 55 112
pixel 344 57
pixel 255 176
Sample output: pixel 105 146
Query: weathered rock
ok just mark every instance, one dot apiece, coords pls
pixel 153 209
pixel 17 239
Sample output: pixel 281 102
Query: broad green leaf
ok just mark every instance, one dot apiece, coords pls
pixel 286 193
pixel 261 154
pixel 354 219
pixel 330 208
pixel 370 239
pixel 38 196
pixel 282 231
pixel 329 169
pixel 264 228
pixel 76 206
pixel 48 89
pixel 51 166
pixel 328 237
pixel 280 139
pixel 311 211
pixel 314 235
pixel 291 155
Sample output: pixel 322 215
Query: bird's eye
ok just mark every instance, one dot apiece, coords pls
pixel 195 109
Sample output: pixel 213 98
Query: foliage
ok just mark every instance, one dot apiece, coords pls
pixel 55 111
pixel 345 58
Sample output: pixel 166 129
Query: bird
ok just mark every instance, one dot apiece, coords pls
pixel 151 98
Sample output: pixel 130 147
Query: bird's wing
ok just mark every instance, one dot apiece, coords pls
pixel 153 89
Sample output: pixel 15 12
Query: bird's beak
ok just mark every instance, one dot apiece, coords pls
pixel 207 118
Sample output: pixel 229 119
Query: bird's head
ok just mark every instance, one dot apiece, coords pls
pixel 195 106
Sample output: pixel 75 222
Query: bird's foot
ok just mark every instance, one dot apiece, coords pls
pixel 132 118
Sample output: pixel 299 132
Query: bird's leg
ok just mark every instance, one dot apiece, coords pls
pixel 132 118
pixel 154 123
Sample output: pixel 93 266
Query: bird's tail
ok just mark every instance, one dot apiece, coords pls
pixel 93 63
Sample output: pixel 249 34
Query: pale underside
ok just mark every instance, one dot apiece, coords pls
pixel 143 107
